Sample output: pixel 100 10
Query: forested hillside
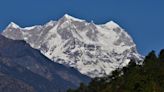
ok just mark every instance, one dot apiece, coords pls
pixel 148 77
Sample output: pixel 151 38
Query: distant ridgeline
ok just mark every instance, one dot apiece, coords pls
pixel 148 77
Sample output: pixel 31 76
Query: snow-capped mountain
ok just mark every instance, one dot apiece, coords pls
pixel 21 62
pixel 95 50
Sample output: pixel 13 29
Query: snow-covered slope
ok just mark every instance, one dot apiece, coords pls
pixel 95 50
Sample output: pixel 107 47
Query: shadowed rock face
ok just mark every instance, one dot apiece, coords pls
pixel 19 61
pixel 10 84
pixel 15 71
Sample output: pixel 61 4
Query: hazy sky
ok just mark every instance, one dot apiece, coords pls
pixel 142 19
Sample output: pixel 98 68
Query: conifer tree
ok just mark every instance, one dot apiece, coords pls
pixel 161 55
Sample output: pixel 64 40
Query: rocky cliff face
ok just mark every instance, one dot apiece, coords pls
pixel 94 50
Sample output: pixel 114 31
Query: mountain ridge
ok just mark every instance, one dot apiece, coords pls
pixel 94 50
pixel 19 61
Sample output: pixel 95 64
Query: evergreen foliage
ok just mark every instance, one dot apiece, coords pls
pixel 148 77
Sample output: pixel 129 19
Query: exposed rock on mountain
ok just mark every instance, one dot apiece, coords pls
pixel 94 50
pixel 21 62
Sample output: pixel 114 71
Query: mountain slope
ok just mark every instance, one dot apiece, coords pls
pixel 19 60
pixel 9 84
pixel 94 50
pixel 148 77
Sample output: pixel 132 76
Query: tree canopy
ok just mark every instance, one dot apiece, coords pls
pixel 148 77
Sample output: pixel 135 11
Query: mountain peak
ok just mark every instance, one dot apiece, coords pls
pixel 112 24
pixel 13 25
pixel 94 50
pixel 69 17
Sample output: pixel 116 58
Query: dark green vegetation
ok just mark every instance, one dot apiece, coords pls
pixel 148 77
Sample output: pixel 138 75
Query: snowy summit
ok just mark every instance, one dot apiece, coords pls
pixel 94 50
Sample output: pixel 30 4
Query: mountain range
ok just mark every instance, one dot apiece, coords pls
pixel 24 69
pixel 93 49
